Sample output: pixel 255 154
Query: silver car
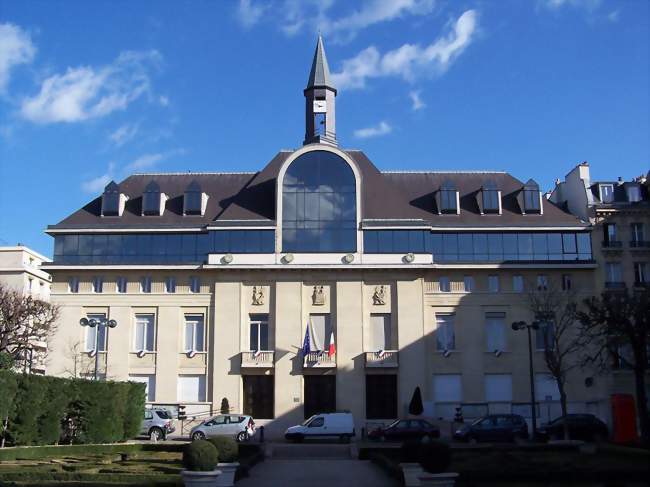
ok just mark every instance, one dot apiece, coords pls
pixel 157 424
pixel 238 426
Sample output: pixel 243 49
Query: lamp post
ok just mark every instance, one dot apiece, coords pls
pixel 96 323
pixel 519 325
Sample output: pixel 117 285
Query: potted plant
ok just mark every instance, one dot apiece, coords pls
pixel 435 457
pixel 225 406
pixel 228 455
pixel 200 460
pixel 410 462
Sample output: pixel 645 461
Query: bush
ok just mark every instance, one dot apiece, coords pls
pixel 200 456
pixel 410 451
pixel 134 409
pixel 6 361
pixel 23 427
pixel 54 406
pixel 434 456
pixel 227 448
pixel 225 407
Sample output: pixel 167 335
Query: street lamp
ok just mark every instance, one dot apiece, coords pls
pixel 519 325
pixel 96 323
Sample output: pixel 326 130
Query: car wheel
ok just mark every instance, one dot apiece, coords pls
pixel 156 434
pixel 242 436
pixel 199 435
pixel 298 438
pixel 472 440
pixel 598 438
pixel 344 438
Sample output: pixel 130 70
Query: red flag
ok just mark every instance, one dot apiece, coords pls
pixel 332 348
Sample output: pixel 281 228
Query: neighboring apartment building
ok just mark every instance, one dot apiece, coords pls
pixel 20 270
pixel 219 282
pixel 620 214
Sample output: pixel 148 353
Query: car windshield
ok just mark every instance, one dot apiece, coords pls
pixel 163 414
pixel 477 421
pixel 306 421
pixel 393 423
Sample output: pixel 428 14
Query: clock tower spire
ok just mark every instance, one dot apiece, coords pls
pixel 320 105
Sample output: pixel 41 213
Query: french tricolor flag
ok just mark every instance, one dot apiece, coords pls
pixel 332 347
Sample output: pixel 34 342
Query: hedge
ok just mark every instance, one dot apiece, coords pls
pixel 38 409
pixel 58 451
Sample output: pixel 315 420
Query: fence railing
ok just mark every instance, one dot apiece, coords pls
pixel 319 359
pixel 383 358
pixel 260 358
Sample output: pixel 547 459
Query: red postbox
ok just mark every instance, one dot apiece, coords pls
pixel 624 419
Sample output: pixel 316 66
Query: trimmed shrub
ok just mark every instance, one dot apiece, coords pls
pixel 227 448
pixel 53 410
pixel 410 451
pixel 200 456
pixel 134 409
pixel 225 406
pixel 435 456
pixel 23 427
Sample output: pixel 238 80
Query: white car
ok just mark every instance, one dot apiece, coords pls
pixel 340 425
pixel 238 426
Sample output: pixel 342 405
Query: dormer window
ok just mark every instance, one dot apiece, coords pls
pixel 490 198
pixel 111 204
pixel 448 198
pixel 606 193
pixel 633 192
pixel 193 199
pixel 151 200
pixel 532 197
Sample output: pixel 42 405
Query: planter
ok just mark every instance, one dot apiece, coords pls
pixel 227 477
pixel 438 479
pixel 412 472
pixel 200 479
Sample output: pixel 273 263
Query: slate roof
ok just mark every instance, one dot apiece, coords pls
pixel 319 76
pixel 249 199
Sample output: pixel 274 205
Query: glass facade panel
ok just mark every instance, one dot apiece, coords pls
pixel 319 205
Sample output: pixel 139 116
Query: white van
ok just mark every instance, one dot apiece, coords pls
pixel 339 425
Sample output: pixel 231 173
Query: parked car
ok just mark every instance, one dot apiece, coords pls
pixel 239 426
pixel 494 427
pixel 585 427
pixel 405 429
pixel 339 425
pixel 157 424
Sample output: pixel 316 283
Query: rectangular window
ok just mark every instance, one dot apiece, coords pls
pixel 145 284
pixel 542 282
pixel 195 284
pixel 73 285
pixel 546 388
pixel 191 388
pixel 259 396
pixel 447 394
pixel 498 387
pixel 468 282
pixel 444 285
pixel 545 336
pixel 445 337
pixel 495 331
pixel 259 332
pixel 170 285
pixel 194 334
pixel 518 284
pixel 380 332
pixel 566 282
pixel 606 193
pixel 149 381
pixel 143 339
pixel 610 232
pixel 613 272
pixel 96 336
pixel 633 193
pixel 321 331
pixel 641 273
pixel 636 230
pixel 493 284
pixel 448 201
pixel 381 396
pixel 120 285
pixel 98 284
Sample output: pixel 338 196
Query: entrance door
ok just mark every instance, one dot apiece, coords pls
pixel 320 394
pixel 258 396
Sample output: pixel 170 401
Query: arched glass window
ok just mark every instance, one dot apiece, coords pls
pixel 192 200
pixel 111 200
pixel 490 197
pixel 448 202
pixel 319 209
pixel 531 196
pixel 151 199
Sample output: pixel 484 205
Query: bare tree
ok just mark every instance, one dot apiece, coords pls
pixel 24 322
pixel 555 311
pixel 80 365
pixel 616 328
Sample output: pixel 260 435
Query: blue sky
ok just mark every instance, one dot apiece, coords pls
pixel 93 91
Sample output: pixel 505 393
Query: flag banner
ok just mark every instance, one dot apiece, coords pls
pixel 332 348
pixel 257 353
pixel 305 344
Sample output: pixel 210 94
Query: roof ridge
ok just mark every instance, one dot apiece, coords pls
pixel 192 173
pixel 440 172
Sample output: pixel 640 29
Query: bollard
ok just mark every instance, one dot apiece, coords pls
pixel 261 434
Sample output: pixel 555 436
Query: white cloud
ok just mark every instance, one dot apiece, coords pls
pixel 249 14
pixel 124 134
pixel 97 185
pixel 409 60
pixel 15 48
pixel 382 128
pixel 163 100
pixel 417 103
pixel 146 161
pixel 613 16
pixel 557 4
pixel 85 92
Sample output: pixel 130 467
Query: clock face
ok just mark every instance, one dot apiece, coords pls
pixel 320 106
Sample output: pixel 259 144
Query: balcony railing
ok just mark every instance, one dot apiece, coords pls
pixel 612 245
pixel 259 359
pixel 615 285
pixel 319 360
pixel 384 358
pixel 640 244
pixel 642 284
